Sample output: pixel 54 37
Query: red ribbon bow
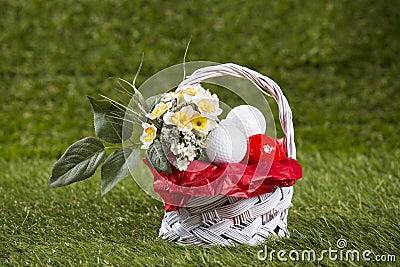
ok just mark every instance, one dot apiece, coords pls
pixel 231 179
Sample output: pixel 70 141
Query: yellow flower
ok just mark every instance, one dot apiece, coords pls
pixel 199 123
pixel 166 97
pixel 180 118
pixel 191 91
pixel 148 135
pixel 206 106
pixel 176 94
pixel 158 110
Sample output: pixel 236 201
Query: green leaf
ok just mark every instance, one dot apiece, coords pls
pixel 108 120
pixel 116 168
pixel 156 157
pixel 78 163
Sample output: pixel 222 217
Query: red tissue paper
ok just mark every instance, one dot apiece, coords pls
pixel 231 179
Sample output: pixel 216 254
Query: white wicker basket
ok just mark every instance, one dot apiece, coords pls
pixel 226 220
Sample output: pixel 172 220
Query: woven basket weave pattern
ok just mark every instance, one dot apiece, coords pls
pixel 230 220
pixel 226 220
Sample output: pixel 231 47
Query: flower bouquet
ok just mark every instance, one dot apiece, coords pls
pixel 221 178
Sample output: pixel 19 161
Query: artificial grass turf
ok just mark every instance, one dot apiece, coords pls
pixel 341 196
pixel 336 63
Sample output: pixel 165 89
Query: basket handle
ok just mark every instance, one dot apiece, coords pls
pixel 266 85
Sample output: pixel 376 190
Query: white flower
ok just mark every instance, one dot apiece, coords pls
pixel 182 164
pixel 189 152
pixel 189 92
pixel 208 104
pixel 169 134
pixel 148 135
pixel 202 124
pixel 173 97
pixel 177 148
pixel 159 110
pixel 191 89
pixel 166 97
pixel 181 118
pixel 174 149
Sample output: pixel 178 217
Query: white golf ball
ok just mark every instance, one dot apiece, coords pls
pixel 248 119
pixel 226 144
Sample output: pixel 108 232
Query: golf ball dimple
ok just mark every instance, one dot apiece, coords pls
pixel 226 144
pixel 248 119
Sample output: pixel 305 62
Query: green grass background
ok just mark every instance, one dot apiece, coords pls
pixel 336 61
